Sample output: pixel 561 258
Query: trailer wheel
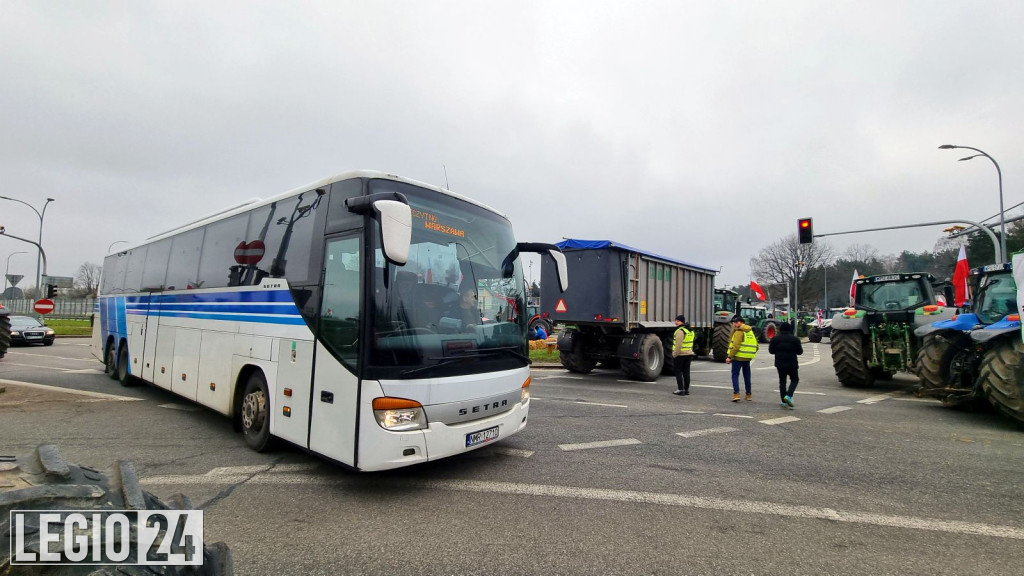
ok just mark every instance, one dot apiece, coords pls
pixel 720 342
pixel 848 359
pixel 814 335
pixel 45 481
pixel 5 334
pixel 652 358
pixel 576 360
pixel 1002 377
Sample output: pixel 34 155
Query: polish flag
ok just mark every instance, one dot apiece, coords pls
pixel 853 288
pixel 961 292
pixel 756 289
pixel 817 313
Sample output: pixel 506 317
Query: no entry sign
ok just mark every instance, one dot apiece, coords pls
pixel 43 306
pixel 250 253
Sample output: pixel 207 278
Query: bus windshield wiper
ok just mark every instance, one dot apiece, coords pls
pixel 513 350
pixel 444 362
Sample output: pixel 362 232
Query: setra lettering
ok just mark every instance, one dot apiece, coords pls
pixel 483 408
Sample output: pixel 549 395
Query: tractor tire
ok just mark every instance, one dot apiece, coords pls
pixel 649 365
pixel 720 342
pixel 5 333
pixel 44 481
pixel 814 335
pixel 576 361
pixel 768 332
pixel 848 359
pixel 934 360
pixel 1002 377
pixel 541 322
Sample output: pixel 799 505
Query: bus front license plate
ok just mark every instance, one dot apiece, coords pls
pixel 481 437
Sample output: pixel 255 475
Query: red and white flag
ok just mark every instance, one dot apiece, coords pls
pixel 961 292
pixel 817 313
pixel 756 289
pixel 853 288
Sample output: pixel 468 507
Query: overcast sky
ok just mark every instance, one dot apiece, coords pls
pixel 697 130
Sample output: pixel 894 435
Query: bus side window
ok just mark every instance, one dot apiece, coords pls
pixel 339 311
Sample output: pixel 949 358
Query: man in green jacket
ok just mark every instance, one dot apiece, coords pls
pixel 682 355
pixel 742 349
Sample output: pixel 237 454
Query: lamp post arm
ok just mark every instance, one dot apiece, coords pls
pixel 36 244
pixel 980 226
pixel 40 216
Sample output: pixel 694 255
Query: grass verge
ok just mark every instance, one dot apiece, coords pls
pixel 67 327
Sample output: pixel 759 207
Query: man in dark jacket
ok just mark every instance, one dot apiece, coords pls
pixel 786 347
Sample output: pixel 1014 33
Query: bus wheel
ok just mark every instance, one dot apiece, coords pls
pixel 122 367
pixel 110 361
pixel 256 413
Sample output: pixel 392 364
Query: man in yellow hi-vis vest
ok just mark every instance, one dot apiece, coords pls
pixel 742 349
pixel 682 355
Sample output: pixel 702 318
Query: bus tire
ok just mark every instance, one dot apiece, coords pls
pixel 256 413
pixel 123 376
pixel 45 481
pixel 110 361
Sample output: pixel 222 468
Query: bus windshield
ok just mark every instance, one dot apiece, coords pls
pixel 456 306
pixel 998 298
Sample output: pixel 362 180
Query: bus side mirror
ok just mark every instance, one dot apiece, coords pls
pixel 395 229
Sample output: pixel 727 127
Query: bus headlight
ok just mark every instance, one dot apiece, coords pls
pixel 399 414
pixel 526 390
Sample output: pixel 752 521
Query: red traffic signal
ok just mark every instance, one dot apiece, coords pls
pixel 805 230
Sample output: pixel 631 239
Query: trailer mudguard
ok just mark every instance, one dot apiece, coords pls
pixel 930 313
pixel 566 339
pixel 631 345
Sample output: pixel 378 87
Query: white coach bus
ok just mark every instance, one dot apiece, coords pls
pixel 375 321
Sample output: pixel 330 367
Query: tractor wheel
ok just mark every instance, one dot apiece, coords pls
pixel 720 342
pixel 1002 377
pixel 769 331
pixel 652 358
pixel 576 361
pixel 814 335
pixel 848 348
pixel 5 333
pixel 44 481
pixel 934 361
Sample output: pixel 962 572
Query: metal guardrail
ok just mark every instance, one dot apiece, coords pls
pixel 79 308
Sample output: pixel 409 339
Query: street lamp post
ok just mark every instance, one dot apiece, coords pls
pixel 42 214
pixel 999 173
pixel 8 269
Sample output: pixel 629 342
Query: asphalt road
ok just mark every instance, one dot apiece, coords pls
pixel 610 477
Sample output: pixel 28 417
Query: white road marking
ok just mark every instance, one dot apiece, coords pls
pixel 782 420
pixel 874 399
pixel 693 412
pixel 732 415
pixel 706 431
pixel 599 404
pixel 610 495
pixel 816 356
pixel 70 391
pixel 93 360
pixel 601 444
pixel 835 409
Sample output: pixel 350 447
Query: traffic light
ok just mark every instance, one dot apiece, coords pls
pixel 51 290
pixel 805 230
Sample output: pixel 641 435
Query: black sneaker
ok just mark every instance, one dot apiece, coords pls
pixel 680 393
pixel 686 392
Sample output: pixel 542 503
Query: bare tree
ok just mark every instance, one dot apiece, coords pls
pixel 782 262
pixel 87 280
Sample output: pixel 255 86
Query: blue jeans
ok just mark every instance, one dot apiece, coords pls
pixel 738 365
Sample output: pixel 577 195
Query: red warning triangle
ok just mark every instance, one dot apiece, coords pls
pixel 560 307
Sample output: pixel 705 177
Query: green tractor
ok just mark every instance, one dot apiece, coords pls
pixel 717 340
pixel 757 317
pixel 875 339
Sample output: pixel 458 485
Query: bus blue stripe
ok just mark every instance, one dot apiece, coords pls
pixel 221 308
pixel 274 319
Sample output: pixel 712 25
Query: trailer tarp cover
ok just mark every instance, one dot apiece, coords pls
pixel 575 244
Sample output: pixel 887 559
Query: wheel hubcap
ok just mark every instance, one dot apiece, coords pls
pixel 254 410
